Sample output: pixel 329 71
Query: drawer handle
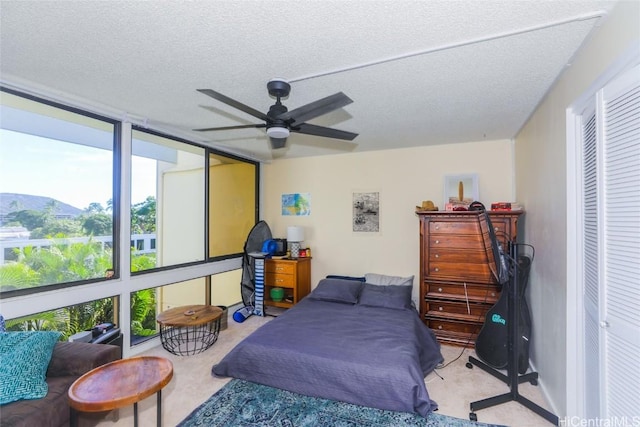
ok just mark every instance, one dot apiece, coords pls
pixel 439 289
pixel 437 256
pixel 493 294
pixel 437 227
pixel 437 241
pixel 440 308
pixel 439 326
pixel 497 228
pixel 436 269
pixel 280 268
pixel 279 280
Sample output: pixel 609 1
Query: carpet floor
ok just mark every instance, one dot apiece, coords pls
pixel 242 403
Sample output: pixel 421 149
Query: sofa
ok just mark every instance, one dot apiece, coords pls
pixel 69 361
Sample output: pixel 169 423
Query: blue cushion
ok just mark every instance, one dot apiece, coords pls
pixel 392 296
pixel 337 290
pixel 336 276
pixel 24 359
pixel 385 280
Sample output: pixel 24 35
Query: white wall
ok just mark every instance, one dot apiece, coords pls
pixel 541 185
pixel 403 177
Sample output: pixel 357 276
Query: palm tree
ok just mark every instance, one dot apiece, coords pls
pixel 15 205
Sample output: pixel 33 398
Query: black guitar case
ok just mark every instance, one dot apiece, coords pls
pixel 492 341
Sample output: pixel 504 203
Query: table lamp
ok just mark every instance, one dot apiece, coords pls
pixel 295 235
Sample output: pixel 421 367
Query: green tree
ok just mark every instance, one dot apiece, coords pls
pixel 14 275
pixel 94 207
pixel 72 262
pixel 58 227
pixel 98 224
pixel 51 207
pixel 55 320
pixel 143 216
pixel 15 205
pixel 28 218
pixel 143 312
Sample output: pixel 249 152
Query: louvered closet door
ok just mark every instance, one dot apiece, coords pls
pixel 620 290
pixel 591 262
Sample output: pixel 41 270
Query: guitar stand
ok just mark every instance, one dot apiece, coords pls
pixel 511 378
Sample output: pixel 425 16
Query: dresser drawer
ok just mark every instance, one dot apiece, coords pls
pixel 472 312
pixel 457 290
pixel 468 329
pixel 280 280
pixel 280 267
pixel 457 241
pixel 453 227
pixel 457 256
pixel 455 333
pixel 450 270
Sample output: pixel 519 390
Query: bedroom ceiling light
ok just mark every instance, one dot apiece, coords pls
pixel 278 132
pixel 295 235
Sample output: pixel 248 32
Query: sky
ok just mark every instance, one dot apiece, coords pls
pixel 71 173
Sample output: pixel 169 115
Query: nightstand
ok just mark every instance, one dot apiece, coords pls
pixel 293 275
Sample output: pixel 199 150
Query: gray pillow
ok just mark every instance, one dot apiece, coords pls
pixel 384 280
pixel 337 290
pixel 391 296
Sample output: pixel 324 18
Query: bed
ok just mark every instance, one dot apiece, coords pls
pixel 348 341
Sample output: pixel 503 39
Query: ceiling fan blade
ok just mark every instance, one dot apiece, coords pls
pixel 317 108
pixel 235 104
pixel 262 125
pixel 310 129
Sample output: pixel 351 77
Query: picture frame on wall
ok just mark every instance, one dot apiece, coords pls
pixel 460 190
pixel 366 212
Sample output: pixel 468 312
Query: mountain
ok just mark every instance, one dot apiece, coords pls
pixel 35 203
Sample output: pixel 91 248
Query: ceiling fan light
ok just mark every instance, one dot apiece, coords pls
pixel 277 143
pixel 278 132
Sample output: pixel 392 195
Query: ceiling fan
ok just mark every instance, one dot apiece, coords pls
pixel 279 121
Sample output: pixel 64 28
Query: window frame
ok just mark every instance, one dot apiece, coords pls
pixel 116 167
pixel 18 303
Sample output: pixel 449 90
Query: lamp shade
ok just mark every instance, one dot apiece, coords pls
pixel 295 234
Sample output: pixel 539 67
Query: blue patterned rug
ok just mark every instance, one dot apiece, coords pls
pixel 242 403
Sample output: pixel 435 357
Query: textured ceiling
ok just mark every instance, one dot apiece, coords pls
pixel 419 72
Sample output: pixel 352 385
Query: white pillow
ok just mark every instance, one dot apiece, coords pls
pixel 384 280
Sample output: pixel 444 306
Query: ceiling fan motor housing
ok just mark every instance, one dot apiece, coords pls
pixel 277 128
pixel 278 88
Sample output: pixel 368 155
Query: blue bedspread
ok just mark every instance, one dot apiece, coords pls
pixel 368 356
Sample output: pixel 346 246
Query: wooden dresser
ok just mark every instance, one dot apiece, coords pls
pixel 294 275
pixel 457 285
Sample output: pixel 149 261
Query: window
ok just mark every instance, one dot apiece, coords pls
pixel 56 193
pixel 167 202
pixel 60 181
pixel 69 320
pixel 232 204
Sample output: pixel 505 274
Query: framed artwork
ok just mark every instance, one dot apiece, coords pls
pixel 366 212
pixel 298 204
pixel 460 190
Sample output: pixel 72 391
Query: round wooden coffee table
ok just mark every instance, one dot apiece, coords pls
pixel 189 329
pixel 120 383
